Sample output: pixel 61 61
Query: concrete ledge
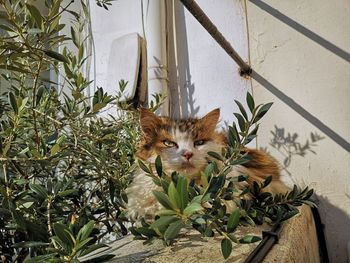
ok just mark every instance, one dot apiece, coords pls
pixel 297 243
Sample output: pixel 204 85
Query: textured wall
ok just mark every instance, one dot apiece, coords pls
pixel 202 76
pixel 122 18
pixel 300 53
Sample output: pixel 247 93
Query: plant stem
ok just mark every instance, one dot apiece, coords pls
pixel 49 117
pixel 35 85
pixel 49 221
pixel 8 190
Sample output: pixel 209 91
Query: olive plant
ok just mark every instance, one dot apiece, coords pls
pixel 64 166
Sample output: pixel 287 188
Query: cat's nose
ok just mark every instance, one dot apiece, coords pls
pixel 187 154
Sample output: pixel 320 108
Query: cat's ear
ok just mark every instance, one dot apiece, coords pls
pixel 149 122
pixel 211 119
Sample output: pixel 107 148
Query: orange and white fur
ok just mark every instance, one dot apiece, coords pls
pixel 183 146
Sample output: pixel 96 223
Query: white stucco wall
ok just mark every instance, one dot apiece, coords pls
pixel 300 52
pixel 201 75
pixel 205 75
pixel 122 18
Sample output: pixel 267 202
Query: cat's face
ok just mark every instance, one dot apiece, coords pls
pixel 182 144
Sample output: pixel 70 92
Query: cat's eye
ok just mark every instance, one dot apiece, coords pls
pixel 168 143
pixel 199 142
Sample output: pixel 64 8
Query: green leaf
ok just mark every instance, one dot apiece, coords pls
pixel 182 190
pixel 174 196
pixel 33 31
pixel 163 221
pixel 145 231
pixel 234 131
pixel 92 248
pixel 81 245
pixel 233 238
pixel 6 28
pixel 19 219
pixel 165 212
pixel 199 198
pixel 231 137
pixel 241 121
pixel 239 178
pixel 39 94
pixel 74 36
pixel 242 110
pixel 200 220
pixel 249 239
pixel 28 244
pixel 233 220
pixel 158 164
pixel 163 199
pixel 67 192
pixel 23 103
pixel 309 203
pixel 86 230
pixel 209 170
pixel 252 135
pixel 226 247
pixel 35 14
pixel 17 69
pixel 39 190
pixel 99 259
pixel 55 149
pixel 81 52
pixel 52 138
pixel 56 55
pixel 242 160
pixel 143 166
pixel 216 156
pixel 267 181
pixel 289 214
pixel 250 102
pixel 173 230
pixel 309 194
pixel 53 24
pixel 192 208
pixel 13 102
pixel 61 231
pixel 262 111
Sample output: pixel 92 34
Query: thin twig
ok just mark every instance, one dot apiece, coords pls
pixel 49 117
pixel 49 221
pixel 35 85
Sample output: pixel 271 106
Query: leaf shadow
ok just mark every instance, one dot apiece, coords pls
pixel 289 146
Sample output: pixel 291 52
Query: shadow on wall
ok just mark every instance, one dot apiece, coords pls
pixel 181 87
pixel 301 111
pixel 337 229
pixel 289 146
pixel 302 30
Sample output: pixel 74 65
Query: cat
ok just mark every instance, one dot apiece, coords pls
pixel 183 146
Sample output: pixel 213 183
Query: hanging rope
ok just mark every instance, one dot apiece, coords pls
pixel 204 20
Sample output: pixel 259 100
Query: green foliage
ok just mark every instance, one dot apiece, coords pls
pixel 64 166
pixel 219 205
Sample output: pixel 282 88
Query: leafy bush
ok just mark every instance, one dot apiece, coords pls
pixel 64 168
pixel 219 205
